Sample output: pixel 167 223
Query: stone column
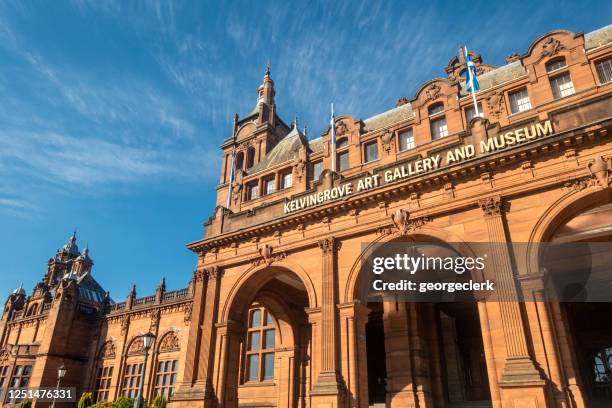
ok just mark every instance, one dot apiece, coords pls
pixel 197 377
pixel 328 389
pixel 353 319
pixel 519 372
pixel 227 358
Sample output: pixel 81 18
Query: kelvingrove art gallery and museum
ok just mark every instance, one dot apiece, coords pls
pixel 277 314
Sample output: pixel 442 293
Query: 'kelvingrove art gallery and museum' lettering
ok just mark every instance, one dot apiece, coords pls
pixel 421 166
pixel 273 315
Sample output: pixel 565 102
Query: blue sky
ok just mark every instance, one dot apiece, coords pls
pixel 111 113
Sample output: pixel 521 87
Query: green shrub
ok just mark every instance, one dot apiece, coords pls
pixel 85 401
pixel 123 403
pixel 25 403
pixel 159 402
pixel 102 404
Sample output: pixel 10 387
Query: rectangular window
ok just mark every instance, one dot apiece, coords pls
pixel 470 112
pixel 370 152
pixel 165 378
pixel 252 191
pixel 604 71
pixel 268 186
pixel 562 86
pixel 286 180
pixel 21 376
pixel 439 129
pixel 343 161
pixel 519 101
pixel 316 169
pixel 406 140
pixel 4 372
pixel 103 383
pixel 131 380
pixel 341 143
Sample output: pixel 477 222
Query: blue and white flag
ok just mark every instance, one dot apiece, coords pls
pixel 470 78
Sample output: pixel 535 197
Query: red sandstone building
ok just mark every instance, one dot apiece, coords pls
pixel 272 317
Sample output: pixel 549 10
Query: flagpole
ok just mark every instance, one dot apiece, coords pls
pixel 232 168
pixel 473 91
pixel 333 138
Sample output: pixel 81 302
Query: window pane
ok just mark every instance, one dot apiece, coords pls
pixel 341 143
pixel 287 180
pixel 552 66
pixel 269 186
pixel 406 140
pixel 253 192
pixel 254 341
pixel 269 339
pixel 253 367
pixel 435 109
pixel 562 86
pixel 256 318
pixel 317 169
pixel 604 71
pixel 438 128
pixel 343 162
pixel 519 101
pixel 371 152
pixel 269 319
pixel 268 366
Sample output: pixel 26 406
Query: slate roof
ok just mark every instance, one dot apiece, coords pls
pixel 598 37
pixel 284 151
pixel 90 289
pixel 316 145
pixel 389 117
pixel 498 76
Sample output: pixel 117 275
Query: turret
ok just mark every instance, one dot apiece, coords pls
pixel 83 263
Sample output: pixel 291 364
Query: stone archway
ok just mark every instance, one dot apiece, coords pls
pixel 280 297
pixel 425 363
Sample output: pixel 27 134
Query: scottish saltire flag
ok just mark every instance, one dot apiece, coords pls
pixel 470 78
pixel 333 137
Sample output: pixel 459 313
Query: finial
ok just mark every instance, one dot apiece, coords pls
pixel 295 123
pixel 268 68
pixel 305 130
pixel 236 117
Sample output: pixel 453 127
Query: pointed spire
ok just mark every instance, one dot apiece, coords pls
pixel 268 68
pixel 19 290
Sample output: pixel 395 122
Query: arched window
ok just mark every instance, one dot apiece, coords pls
pixel 260 343
pixel 250 157
pixel 239 160
pixel 435 109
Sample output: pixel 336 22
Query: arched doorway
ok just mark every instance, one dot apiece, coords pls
pixel 425 353
pixel 588 323
pixel 268 349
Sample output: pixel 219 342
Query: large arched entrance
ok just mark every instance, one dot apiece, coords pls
pixel 586 322
pixel 267 340
pixel 423 353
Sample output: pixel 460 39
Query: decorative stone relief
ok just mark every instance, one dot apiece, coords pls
pixel 403 223
pixel 600 169
pixel 108 350
pixel 170 342
pixel 551 47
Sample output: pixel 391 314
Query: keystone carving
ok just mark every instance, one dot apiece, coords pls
pixel 403 223
pixel 600 170
pixel 267 256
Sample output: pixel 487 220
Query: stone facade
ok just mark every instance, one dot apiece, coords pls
pixel 272 316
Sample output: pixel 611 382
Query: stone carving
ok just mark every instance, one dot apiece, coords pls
pixel 577 185
pixel 491 206
pixel 267 257
pixel 600 169
pixel 169 343
pixel 213 273
pixel 403 223
pixel 5 354
pixel 188 313
pixel 155 315
pixel 496 104
pixel 433 92
pixel 137 347
pixel 125 324
pixel 236 192
pixel 328 244
pixel 388 142
pixel 341 129
pixel 512 58
pixel 401 101
pixel 551 47
pixel 108 350
pixel 299 168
